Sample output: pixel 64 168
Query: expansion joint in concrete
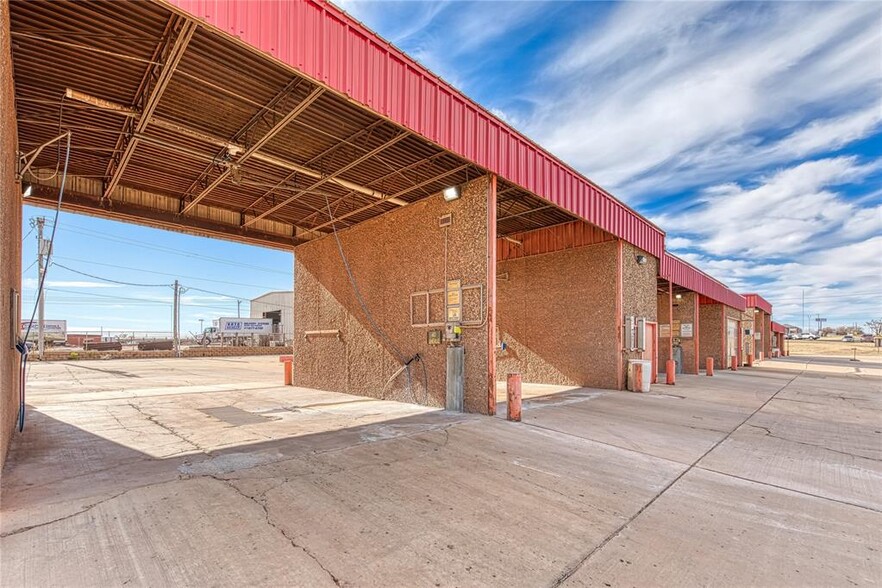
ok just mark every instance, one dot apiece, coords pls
pixel 573 568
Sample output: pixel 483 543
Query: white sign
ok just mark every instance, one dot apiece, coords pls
pixel 686 329
pixel 53 330
pixel 245 326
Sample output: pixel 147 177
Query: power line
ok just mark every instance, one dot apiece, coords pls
pixel 93 276
pixel 146 245
pixel 136 269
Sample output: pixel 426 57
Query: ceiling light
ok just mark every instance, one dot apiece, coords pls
pixel 451 193
pixel 29 189
pixel 678 296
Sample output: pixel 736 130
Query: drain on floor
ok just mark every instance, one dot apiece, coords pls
pixel 235 416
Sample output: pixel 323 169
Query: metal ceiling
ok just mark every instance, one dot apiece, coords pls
pixel 170 115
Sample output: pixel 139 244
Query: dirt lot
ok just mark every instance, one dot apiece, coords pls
pixel 205 472
pixel 832 347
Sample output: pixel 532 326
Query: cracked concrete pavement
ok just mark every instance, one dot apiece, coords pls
pixel 205 472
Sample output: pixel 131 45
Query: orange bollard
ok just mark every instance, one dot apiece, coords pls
pixel 287 362
pixel 670 369
pixel 759 355
pixel 513 392
pixel 733 365
pixel 709 366
pixel 750 360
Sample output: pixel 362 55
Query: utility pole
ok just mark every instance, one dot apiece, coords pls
pixel 176 318
pixel 42 251
pixel 238 309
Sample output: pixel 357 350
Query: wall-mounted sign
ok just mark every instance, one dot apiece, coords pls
pixel 686 330
pixel 454 314
pixel 664 330
pixel 454 297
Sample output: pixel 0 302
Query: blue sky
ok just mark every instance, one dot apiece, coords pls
pixel 88 251
pixel 751 132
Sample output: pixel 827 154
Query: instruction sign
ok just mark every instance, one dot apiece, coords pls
pixel 686 329
pixel 664 330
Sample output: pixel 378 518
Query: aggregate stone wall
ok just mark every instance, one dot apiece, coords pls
pixel 712 333
pixel 557 314
pixel 391 257
pixel 748 342
pixel 639 287
pixel 10 240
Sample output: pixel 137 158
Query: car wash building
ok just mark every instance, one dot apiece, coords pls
pixel 757 328
pixel 428 234
pixel 699 317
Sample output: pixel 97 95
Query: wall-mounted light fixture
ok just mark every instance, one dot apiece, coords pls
pixel 678 296
pixel 452 193
pixel 641 259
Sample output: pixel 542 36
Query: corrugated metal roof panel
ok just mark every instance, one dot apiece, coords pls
pixel 327 45
pixel 688 276
pixel 757 301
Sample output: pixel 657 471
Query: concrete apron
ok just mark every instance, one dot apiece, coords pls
pixel 194 472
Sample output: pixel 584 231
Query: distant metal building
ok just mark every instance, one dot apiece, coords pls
pixel 278 306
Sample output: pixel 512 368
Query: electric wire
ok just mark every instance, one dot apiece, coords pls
pixel 94 277
pixel 23 345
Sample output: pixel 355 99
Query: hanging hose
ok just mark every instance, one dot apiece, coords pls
pixel 22 346
pixel 405 363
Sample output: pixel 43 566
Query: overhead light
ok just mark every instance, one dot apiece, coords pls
pixel 641 260
pixel 451 193
pixel 29 189
pixel 678 296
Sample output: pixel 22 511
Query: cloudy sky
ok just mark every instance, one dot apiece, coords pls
pixel 751 132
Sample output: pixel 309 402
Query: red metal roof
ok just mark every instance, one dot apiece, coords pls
pixel 778 328
pixel 688 276
pixel 320 41
pixel 757 301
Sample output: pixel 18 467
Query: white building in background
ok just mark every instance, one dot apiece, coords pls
pixel 278 306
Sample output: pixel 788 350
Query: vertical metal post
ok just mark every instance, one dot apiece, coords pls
pixel 513 397
pixel 176 318
pixel 491 296
pixel 41 293
pixel 238 309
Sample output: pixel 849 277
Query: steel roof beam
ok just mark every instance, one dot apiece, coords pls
pixel 115 108
pixel 275 130
pixel 330 177
pixel 152 101
pixel 397 194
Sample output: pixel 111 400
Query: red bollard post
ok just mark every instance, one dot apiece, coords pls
pixel 513 393
pixel 670 368
pixel 287 362
pixel 709 366
pixel 750 360
pixel 637 383
pixel 734 363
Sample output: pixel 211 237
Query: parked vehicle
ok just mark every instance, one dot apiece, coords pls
pixel 848 339
pixel 807 337
pixel 866 338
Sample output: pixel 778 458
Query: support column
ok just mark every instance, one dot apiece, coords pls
pixel 620 304
pixel 696 328
pixel 491 297
pixel 671 365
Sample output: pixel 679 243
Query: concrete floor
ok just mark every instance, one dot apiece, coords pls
pixel 202 472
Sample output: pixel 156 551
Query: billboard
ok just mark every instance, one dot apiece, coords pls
pixel 245 326
pixel 52 330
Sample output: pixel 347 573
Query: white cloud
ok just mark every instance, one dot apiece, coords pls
pixel 696 86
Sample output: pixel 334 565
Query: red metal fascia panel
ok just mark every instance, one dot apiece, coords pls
pixel 688 276
pixel 778 328
pixel 757 301
pixel 327 45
